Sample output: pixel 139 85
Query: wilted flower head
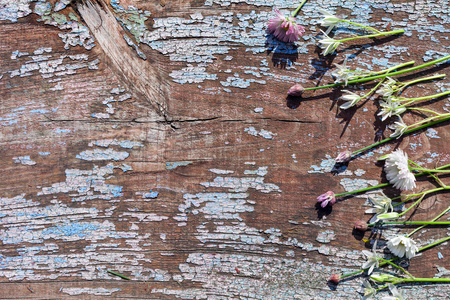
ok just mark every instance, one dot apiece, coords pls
pixel 368 290
pixel 397 171
pixel 399 128
pixel 326 198
pixel 396 294
pixel 344 156
pixel 284 28
pixel 387 88
pixel 390 106
pixel 328 44
pixel 329 20
pixel 296 90
pixel 343 74
pixel 335 278
pixel 373 260
pixel 351 99
pixel 381 204
pixel 402 246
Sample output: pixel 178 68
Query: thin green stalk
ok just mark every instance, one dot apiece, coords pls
pixel 371 35
pixel 360 25
pixel 411 100
pixel 412 62
pixel 404 133
pixel 382 75
pixel 423 79
pixel 421 109
pixel 395 258
pixel 118 274
pixel 396 266
pixel 437 217
pixel 298 8
pixel 411 223
pixel 425 280
pixel 363 190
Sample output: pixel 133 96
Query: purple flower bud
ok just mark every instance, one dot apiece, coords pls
pixel 344 156
pixel 296 90
pixel 361 225
pixel 326 198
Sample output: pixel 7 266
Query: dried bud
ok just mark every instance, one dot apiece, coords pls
pixel 335 278
pixel 296 90
pixel 361 225
pixel 344 156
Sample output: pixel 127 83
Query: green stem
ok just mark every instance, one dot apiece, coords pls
pixel 411 100
pixel 396 266
pixel 360 25
pixel 419 228
pixel 422 79
pixel 425 280
pixel 430 171
pixel 395 258
pixel 420 109
pixel 411 223
pixel 371 35
pixel 363 190
pixel 382 75
pixel 405 133
pixel 118 274
pixel 298 8
pixel 394 68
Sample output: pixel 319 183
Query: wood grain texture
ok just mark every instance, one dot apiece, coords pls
pixel 190 172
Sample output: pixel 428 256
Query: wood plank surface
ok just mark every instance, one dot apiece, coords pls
pixel 155 139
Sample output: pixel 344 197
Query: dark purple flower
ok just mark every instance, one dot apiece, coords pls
pixel 296 90
pixel 326 198
pixel 284 28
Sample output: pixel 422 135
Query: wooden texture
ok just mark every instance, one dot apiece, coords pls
pixel 190 172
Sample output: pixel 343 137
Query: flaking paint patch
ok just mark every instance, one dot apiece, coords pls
pixel 90 291
pixel 263 133
pixel 100 154
pixel 24 160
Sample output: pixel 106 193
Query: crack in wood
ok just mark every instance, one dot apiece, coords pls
pixel 141 77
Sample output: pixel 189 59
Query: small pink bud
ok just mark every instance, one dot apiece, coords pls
pixel 344 156
pixel 361 225
pixel 296 90
pixel 327 198
pixel 335 278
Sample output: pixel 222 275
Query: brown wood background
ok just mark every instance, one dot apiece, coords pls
pixel 190 172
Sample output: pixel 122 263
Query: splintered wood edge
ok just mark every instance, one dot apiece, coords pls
pixel 139 76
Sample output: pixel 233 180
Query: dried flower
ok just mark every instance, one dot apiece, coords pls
pixel 402 246
pixel 328 44
pixel 335 278
pixel 397 171
pixel 329 20
pixel 296 90
pixel 396 294
pixel 284 28
pixel 326 198
pixel 361 225
pixel 368 291
pixel 351 99
pixel 373 260
pixel 344 156
pixel 399 128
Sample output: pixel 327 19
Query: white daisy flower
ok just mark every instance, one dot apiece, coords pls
pixel 328 44
pixel 351 99
pixel 402 246
pixel 329 20
pixel 397 171
pixel 396 294
pixel 399 128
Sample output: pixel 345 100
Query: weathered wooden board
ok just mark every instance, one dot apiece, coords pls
pixel 190 172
